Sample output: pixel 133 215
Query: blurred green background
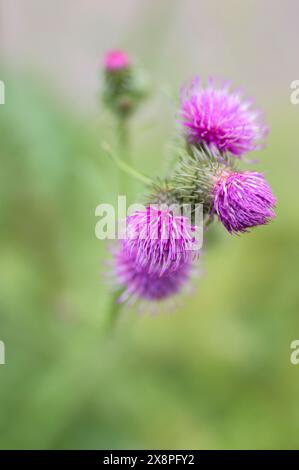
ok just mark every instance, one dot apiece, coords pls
pixel 215 373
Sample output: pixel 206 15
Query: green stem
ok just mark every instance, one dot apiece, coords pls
pixel 124 166
pixel 123 134
pixel 113 312
pixel 124 189
pixel 124 152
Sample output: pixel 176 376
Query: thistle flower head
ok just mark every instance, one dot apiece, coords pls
pixel 137 284
pixel 116 60
pixel 219 118
pixel 193 178
pixel 243 200
pixel 159 241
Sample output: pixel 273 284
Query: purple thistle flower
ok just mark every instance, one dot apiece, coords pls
pixel 160 241
pixel 138 284
pixel 243 200
pixel 219 118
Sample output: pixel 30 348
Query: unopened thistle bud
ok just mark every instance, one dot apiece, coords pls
pixel 123 89
pixel 116 60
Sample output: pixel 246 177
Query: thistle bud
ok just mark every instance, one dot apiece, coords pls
pixel 123 89
pixel 116 60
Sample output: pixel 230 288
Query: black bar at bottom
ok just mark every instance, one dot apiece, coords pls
pixel 136 458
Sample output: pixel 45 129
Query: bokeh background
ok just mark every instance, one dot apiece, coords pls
pixel 215 373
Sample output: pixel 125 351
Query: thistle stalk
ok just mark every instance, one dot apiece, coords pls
pixel 113 313
pixel 124 189
pixel 124 152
